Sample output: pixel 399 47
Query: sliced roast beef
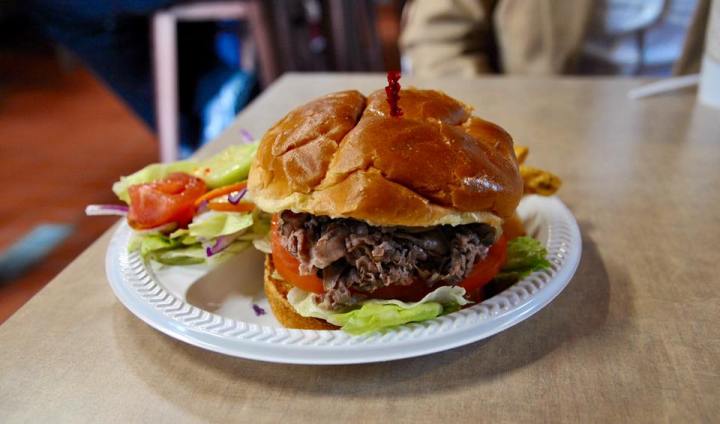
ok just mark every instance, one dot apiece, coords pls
pixel 330 246
pixel 351 256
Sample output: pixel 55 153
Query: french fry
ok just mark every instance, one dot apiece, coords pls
pixel 538 181
pixel 521 153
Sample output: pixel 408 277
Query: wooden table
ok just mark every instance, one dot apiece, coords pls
pixel 635 337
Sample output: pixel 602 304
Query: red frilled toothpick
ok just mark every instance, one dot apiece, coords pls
pixel 392 91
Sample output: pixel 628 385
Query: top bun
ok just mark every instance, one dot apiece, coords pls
pixel 343 155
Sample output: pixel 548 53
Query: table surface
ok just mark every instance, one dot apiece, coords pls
pixel 634 337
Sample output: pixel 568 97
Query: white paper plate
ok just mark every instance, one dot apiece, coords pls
pixel 214 310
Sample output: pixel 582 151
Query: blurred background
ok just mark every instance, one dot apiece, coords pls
pixel 91 90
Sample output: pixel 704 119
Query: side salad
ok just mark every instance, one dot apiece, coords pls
pixel 191 212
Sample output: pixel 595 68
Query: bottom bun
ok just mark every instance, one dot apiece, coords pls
pixel 276 292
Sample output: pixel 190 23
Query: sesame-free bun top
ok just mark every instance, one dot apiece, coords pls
pixel 344 155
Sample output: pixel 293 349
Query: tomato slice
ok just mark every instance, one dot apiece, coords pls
pixel 164 201
pixel 288 266
pixel 485 270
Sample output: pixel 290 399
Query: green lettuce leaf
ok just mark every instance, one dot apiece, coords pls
pixel 373 316
pixel 378 314
pixel 147 243
pixel 173 251
pixel 183 246
pixel 210 225
pixel 183 236
pixel 195 254
pixel 186 255
pixel 167 250
pixel 148 174
pixel 525 255
pixel 230 166
pixel 263 244
pixel 261 223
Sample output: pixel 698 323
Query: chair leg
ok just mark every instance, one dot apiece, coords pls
pixel 164 33
pixel 259 25
pixel 340 25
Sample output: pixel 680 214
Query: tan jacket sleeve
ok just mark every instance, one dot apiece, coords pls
pixel 537 37
pixel 446 38
pixel 540 37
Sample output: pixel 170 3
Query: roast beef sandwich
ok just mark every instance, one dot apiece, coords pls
pixel 380 218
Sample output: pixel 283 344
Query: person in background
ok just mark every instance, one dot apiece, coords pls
pixel 112 38
pixel 544 37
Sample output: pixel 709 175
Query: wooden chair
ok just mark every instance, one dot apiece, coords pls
pixel 165 63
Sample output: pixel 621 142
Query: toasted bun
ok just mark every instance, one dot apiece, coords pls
pixel 276 292
pixel 343 155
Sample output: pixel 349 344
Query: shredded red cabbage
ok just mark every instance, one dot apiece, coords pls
pixel 235 196
pixel 220 244
pixel 97 210
pixel 202 207
pixel 246 135
pixel 258 310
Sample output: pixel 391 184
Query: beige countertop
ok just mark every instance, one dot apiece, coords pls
pixel 635 337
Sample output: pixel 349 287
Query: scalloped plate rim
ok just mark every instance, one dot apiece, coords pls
pixel 354 350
